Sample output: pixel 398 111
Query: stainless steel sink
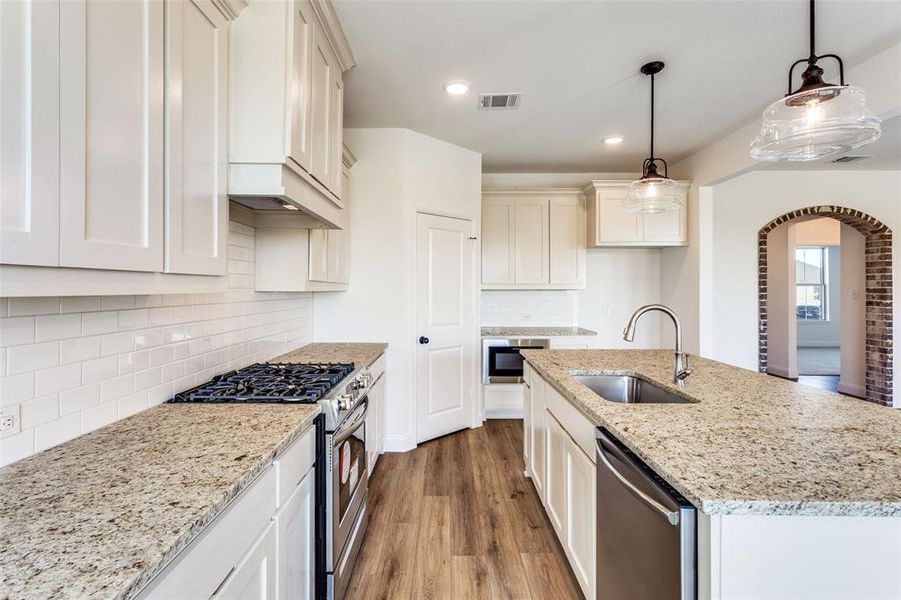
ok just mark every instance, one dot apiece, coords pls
pixel 629 390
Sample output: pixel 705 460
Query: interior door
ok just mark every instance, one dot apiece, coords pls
pixel 445 320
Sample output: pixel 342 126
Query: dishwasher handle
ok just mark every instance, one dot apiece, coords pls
pixel 669 515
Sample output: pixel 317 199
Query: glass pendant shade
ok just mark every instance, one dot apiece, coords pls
pixel 814 124
pixel 652 194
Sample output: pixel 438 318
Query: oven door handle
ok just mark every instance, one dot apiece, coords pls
pixel 348 430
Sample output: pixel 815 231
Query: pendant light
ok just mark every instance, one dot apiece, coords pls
pixel 817 120
pixel 653 192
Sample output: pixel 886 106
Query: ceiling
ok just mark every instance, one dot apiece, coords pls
pixel 576 64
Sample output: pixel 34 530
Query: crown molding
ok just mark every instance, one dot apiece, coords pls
pixel 334 33
pixel 347 157
pixel 558 191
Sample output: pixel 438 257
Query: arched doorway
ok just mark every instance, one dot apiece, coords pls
pixel 878 275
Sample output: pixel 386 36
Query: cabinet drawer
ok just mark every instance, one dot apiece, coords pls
pixel 294 463
pixel 199 569
pixel 576 425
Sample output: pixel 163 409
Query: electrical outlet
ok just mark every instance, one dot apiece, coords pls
pixel 7 423
pixel 527 317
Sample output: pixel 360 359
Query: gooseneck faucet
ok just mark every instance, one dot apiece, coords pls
pixel 682 368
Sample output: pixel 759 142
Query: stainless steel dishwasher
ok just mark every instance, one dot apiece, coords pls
pixel 646 531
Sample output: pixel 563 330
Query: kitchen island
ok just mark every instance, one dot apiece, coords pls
pixel 798 489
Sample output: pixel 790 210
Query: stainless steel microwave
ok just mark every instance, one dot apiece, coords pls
pixel 501 360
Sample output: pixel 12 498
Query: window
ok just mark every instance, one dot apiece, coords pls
pixel 810 279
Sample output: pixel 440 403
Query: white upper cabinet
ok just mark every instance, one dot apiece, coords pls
pixel 111 134
pixel 196 133
pixel 567 241
pixel 533 239
pixel 610 225
pixel 497 240
pixel 29 133
pixel 287 103
pixel 530 234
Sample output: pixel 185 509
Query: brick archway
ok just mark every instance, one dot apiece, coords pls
pixel 878 256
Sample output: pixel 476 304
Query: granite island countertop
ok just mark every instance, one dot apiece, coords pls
pixel 535 332
pixel 752 444
pixel 101 515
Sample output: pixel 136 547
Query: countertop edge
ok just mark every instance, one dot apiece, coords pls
pixel 725 507
pixel 141 581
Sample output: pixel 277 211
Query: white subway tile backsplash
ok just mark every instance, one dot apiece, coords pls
pixel 16 447
pixel 79 349
pixel 16 388
pixel 134 361
pixel 99 322
pixel 79 399
pixel 80 304
pixel 529 307
pixel 57 431
pixel 96 417
pixel 113 389
pixel 57 327
pixel 20 307
pixel 15 331
pixel 81 363
pixel 116 343
pixel 32 357
pixel 40 410
pixel 57 379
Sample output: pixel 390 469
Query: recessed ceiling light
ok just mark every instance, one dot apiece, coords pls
pixel 456 88
pixel 613 140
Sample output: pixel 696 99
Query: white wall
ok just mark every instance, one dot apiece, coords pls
pixel 745 204
pixel 71 365
pixel 853 334
pixel 398 172
pixel 782 332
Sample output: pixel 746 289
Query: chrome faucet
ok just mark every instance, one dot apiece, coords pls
pixel 682 367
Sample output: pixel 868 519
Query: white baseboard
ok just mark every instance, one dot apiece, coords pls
pixel 398 443
pixel 782 372
pixel 504 413
pixel 852 389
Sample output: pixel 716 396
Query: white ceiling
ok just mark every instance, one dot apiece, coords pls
pixel 576 64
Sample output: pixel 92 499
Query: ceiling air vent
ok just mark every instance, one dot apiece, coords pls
pixel 498 101
pixel 849 159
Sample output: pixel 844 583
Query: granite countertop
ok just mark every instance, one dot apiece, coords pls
pixel 359 353
pixel 101 515
pixel 752 444
pixel 532 332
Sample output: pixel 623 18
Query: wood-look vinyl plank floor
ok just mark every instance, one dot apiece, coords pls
pixel 457 519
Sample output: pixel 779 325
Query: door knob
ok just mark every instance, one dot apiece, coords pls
pixel 423 339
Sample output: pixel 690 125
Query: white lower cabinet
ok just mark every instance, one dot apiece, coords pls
pixel 375 423
pixel 262 546
pixel 254 577
pixel 564 475
pixel 296 527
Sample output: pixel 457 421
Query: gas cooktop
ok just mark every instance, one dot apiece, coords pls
pixel 264 382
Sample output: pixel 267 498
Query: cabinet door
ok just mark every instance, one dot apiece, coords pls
pixel 375 427
pixel 555 501
pixel 669 226
pixel 526 426
pixel 567 241
pixel 531 241
pixel 616 224
pixel 111 134
pixel 498 220
pixel 580 515
pixel 318 255
pixel 29 133
pixel 196 125
pixel 322 72
pixel 254 578
pixel 301 98
pixel 338 256
pixel 538 451
pixel 336 130
pixel 296 543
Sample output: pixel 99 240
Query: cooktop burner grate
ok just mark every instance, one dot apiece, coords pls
pixel 264 382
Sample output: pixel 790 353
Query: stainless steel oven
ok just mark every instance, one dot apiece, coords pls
pixel 501 360
pixel 347 486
